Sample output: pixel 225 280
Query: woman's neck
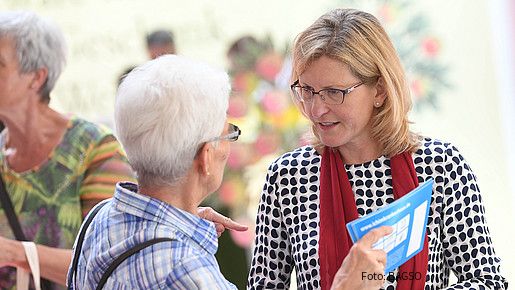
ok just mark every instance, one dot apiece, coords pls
pixel 186 194
pixel 31 134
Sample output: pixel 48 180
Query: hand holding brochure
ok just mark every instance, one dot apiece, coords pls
pixel 407 216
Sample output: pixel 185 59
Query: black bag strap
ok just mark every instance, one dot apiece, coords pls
pixel 14 223
pixel 80 240
pixel 12 218
pixel 126 255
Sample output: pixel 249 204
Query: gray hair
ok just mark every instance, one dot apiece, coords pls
pixel 160 37
pixel 38 43
pixel 165 110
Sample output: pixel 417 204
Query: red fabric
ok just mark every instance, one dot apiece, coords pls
pixel 338 207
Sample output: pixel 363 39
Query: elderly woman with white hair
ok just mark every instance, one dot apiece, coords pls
pixel 171 119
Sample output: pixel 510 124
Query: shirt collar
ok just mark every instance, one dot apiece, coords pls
pixel 203 232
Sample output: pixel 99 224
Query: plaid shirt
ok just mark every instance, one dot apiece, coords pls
pixel 128 219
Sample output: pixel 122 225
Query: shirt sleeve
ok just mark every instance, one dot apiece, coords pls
pixel 468 247
pixel 198 273
pixel 105 165
pixel 264 271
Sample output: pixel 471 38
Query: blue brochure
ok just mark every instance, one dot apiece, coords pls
pixel 407 216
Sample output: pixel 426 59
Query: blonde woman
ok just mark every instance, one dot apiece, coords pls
pixel 348 81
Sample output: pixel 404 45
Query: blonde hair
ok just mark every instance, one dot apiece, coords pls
pixel 357 39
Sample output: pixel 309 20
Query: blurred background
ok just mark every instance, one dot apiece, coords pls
pixel 459 59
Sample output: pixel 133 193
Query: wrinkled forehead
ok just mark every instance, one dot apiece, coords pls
pixel 7 49
pixel 301 65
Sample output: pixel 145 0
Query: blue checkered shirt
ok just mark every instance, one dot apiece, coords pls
pixel 187 262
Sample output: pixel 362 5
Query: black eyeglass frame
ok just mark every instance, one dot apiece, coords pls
pixel 232 136
pixel 344 92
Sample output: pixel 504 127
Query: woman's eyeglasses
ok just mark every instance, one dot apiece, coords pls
pixel 234 133
pixel 329 96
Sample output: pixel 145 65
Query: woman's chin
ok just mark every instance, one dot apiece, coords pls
pixel 331 142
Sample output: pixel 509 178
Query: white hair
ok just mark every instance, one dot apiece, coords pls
pixel 164 110
pixel 39 44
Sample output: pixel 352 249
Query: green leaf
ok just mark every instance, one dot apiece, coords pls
pixel 69 215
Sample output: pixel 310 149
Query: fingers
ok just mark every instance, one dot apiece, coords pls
pixel 363 268
pixel 367 257
pixel 219 229
pixel 211 215
pixel 371 260
pixel 374 235
pixel 232 225
pixel 380 257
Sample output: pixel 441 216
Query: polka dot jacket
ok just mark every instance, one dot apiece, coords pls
pixel 288 219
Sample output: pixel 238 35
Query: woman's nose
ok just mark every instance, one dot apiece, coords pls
pixel 317 107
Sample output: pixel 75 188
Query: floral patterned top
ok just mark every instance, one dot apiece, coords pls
pixel 47 199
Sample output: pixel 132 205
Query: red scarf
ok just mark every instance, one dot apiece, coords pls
pixel 338 207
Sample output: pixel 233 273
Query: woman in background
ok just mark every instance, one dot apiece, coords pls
pixel 55 167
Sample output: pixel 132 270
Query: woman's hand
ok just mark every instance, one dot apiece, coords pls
pixel 221 222
pixel 12 253
pixel 363 268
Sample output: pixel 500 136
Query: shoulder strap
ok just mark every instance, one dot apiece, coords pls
pixel 126 255
pixel 12 218
pixel 80 240
pixel 116 262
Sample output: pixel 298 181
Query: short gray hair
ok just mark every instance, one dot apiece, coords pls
pixel 39 44
pixel 164 110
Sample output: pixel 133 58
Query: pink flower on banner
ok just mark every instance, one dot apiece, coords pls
pixel 266 143
pixel 431 46
pixel 246 238
pixel 244 82
pixel 240 155
pixel 269 65
pixel 418 87
pixel 275 102
pixel 386 13
pixel 238 106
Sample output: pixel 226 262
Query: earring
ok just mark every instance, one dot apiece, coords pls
pixel 378 104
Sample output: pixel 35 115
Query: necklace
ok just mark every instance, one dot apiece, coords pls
pixel 6 151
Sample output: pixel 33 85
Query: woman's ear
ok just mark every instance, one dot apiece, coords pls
pixel 39 79
pixel 204 158
pixel 380 92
